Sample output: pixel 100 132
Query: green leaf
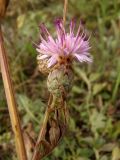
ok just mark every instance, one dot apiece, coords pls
pixel 94 76
pixel 116 153
pixel 97 121
pixel 98 87
pixel 82 74
pixel 104 158
pixel 30 107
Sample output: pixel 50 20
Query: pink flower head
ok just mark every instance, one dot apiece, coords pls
pixel 65 45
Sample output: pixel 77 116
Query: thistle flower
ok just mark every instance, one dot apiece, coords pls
pixel 66 47
pixel 58 52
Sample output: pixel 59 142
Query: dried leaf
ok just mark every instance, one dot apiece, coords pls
pixel 54 132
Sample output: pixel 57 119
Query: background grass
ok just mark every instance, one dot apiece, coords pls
pixel 94 102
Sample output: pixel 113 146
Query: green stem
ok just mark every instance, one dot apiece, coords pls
pixel 97 155
pixel 115 90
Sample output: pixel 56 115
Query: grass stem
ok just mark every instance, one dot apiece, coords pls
pixel 65 11
pixel 12 106
pixel 116 88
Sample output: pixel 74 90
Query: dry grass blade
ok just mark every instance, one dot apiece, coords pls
pixel 12 106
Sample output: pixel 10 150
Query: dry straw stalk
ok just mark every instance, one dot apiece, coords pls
pixel 12 106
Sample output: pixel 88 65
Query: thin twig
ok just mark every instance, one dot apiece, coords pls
pixel 65 11
pixel 12 106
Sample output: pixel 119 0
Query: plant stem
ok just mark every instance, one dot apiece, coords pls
pixel 43 129
pixel 96 154
pixel 65 11
pixel 40 137
pixel 12 106
pixel 115 90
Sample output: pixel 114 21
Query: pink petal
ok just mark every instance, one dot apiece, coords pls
pixel 72 26
pixel 43 56
pixel 52 61
pixel 83 58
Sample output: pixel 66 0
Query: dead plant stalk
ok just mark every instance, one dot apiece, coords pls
pixel 12 106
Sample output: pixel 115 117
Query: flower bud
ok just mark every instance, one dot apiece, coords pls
pixel 42 65
pixel 60 81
